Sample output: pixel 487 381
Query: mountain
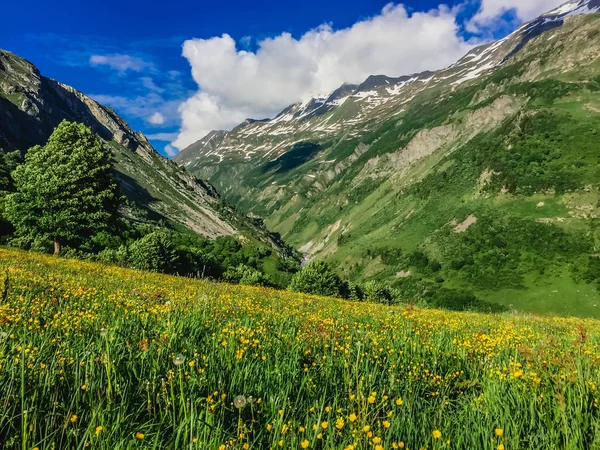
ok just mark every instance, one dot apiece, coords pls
pixel 480 179
pixel 31 106
pixel 191 156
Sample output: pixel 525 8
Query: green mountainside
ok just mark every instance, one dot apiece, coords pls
pixel 482 179
pixel 158 192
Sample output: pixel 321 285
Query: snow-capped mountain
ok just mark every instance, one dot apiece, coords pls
pixel 354 109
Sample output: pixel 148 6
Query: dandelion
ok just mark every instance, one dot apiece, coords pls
pixel 84 387
pixel 376 440
pixel 99 429
pixel 304 444
pixel 178 360
pixel 324 425
pixel 500 447
pixel 437 434
pixel 339 424
pixel 240 401
pixel 499 432
pixel 399 402
pixel 386 424
pixel 139 436
pixel 73 418
pixel 352 417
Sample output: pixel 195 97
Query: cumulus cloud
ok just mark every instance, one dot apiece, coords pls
pixel 120 62
pixel 525 10
pixel 234 84
pixel 156 119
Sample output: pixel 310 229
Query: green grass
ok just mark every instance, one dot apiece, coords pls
pixel 108 358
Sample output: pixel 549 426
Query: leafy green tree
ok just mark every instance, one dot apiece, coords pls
pixel 65 189
pixel 155 252
pixel 318 278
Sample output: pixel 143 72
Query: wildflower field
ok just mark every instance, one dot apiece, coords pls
pixel 100 357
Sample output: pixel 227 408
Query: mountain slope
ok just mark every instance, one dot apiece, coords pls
pixel 31 106
pixel 479 179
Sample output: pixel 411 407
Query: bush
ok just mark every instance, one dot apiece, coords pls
pixel 114 256
pixel 377 292
pixel 154 252
pixel 355 292
pixel 243 274
pixel 319 279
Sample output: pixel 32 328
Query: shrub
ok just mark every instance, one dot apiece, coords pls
pixel 114 256
pixel 318 278
pixel 355 292
pixel 243 274
pixel 154 252
pixel 377 292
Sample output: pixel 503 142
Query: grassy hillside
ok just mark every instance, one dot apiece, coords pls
pixel 107 358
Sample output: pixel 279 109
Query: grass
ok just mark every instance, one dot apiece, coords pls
pixel 109 358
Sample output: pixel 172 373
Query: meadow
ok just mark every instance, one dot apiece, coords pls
pixel 101 357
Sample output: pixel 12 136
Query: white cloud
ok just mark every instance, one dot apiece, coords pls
pixel 149 84
pixel 120 62
pixel 170 150
pixel 236 84
pixel 165 137
pixel 526 10
pixel 156 119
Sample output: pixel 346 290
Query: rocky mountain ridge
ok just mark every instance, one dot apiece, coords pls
pixel 32 105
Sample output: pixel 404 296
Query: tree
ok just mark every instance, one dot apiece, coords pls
pixel 65 189
pixel 318 278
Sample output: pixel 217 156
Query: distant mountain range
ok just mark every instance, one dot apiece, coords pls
pixel 441 180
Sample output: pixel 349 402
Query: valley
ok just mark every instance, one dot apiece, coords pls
pixel 375 178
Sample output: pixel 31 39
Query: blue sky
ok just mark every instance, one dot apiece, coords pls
pixel 128 54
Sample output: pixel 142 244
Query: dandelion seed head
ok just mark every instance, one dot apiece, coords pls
pixel 240 401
